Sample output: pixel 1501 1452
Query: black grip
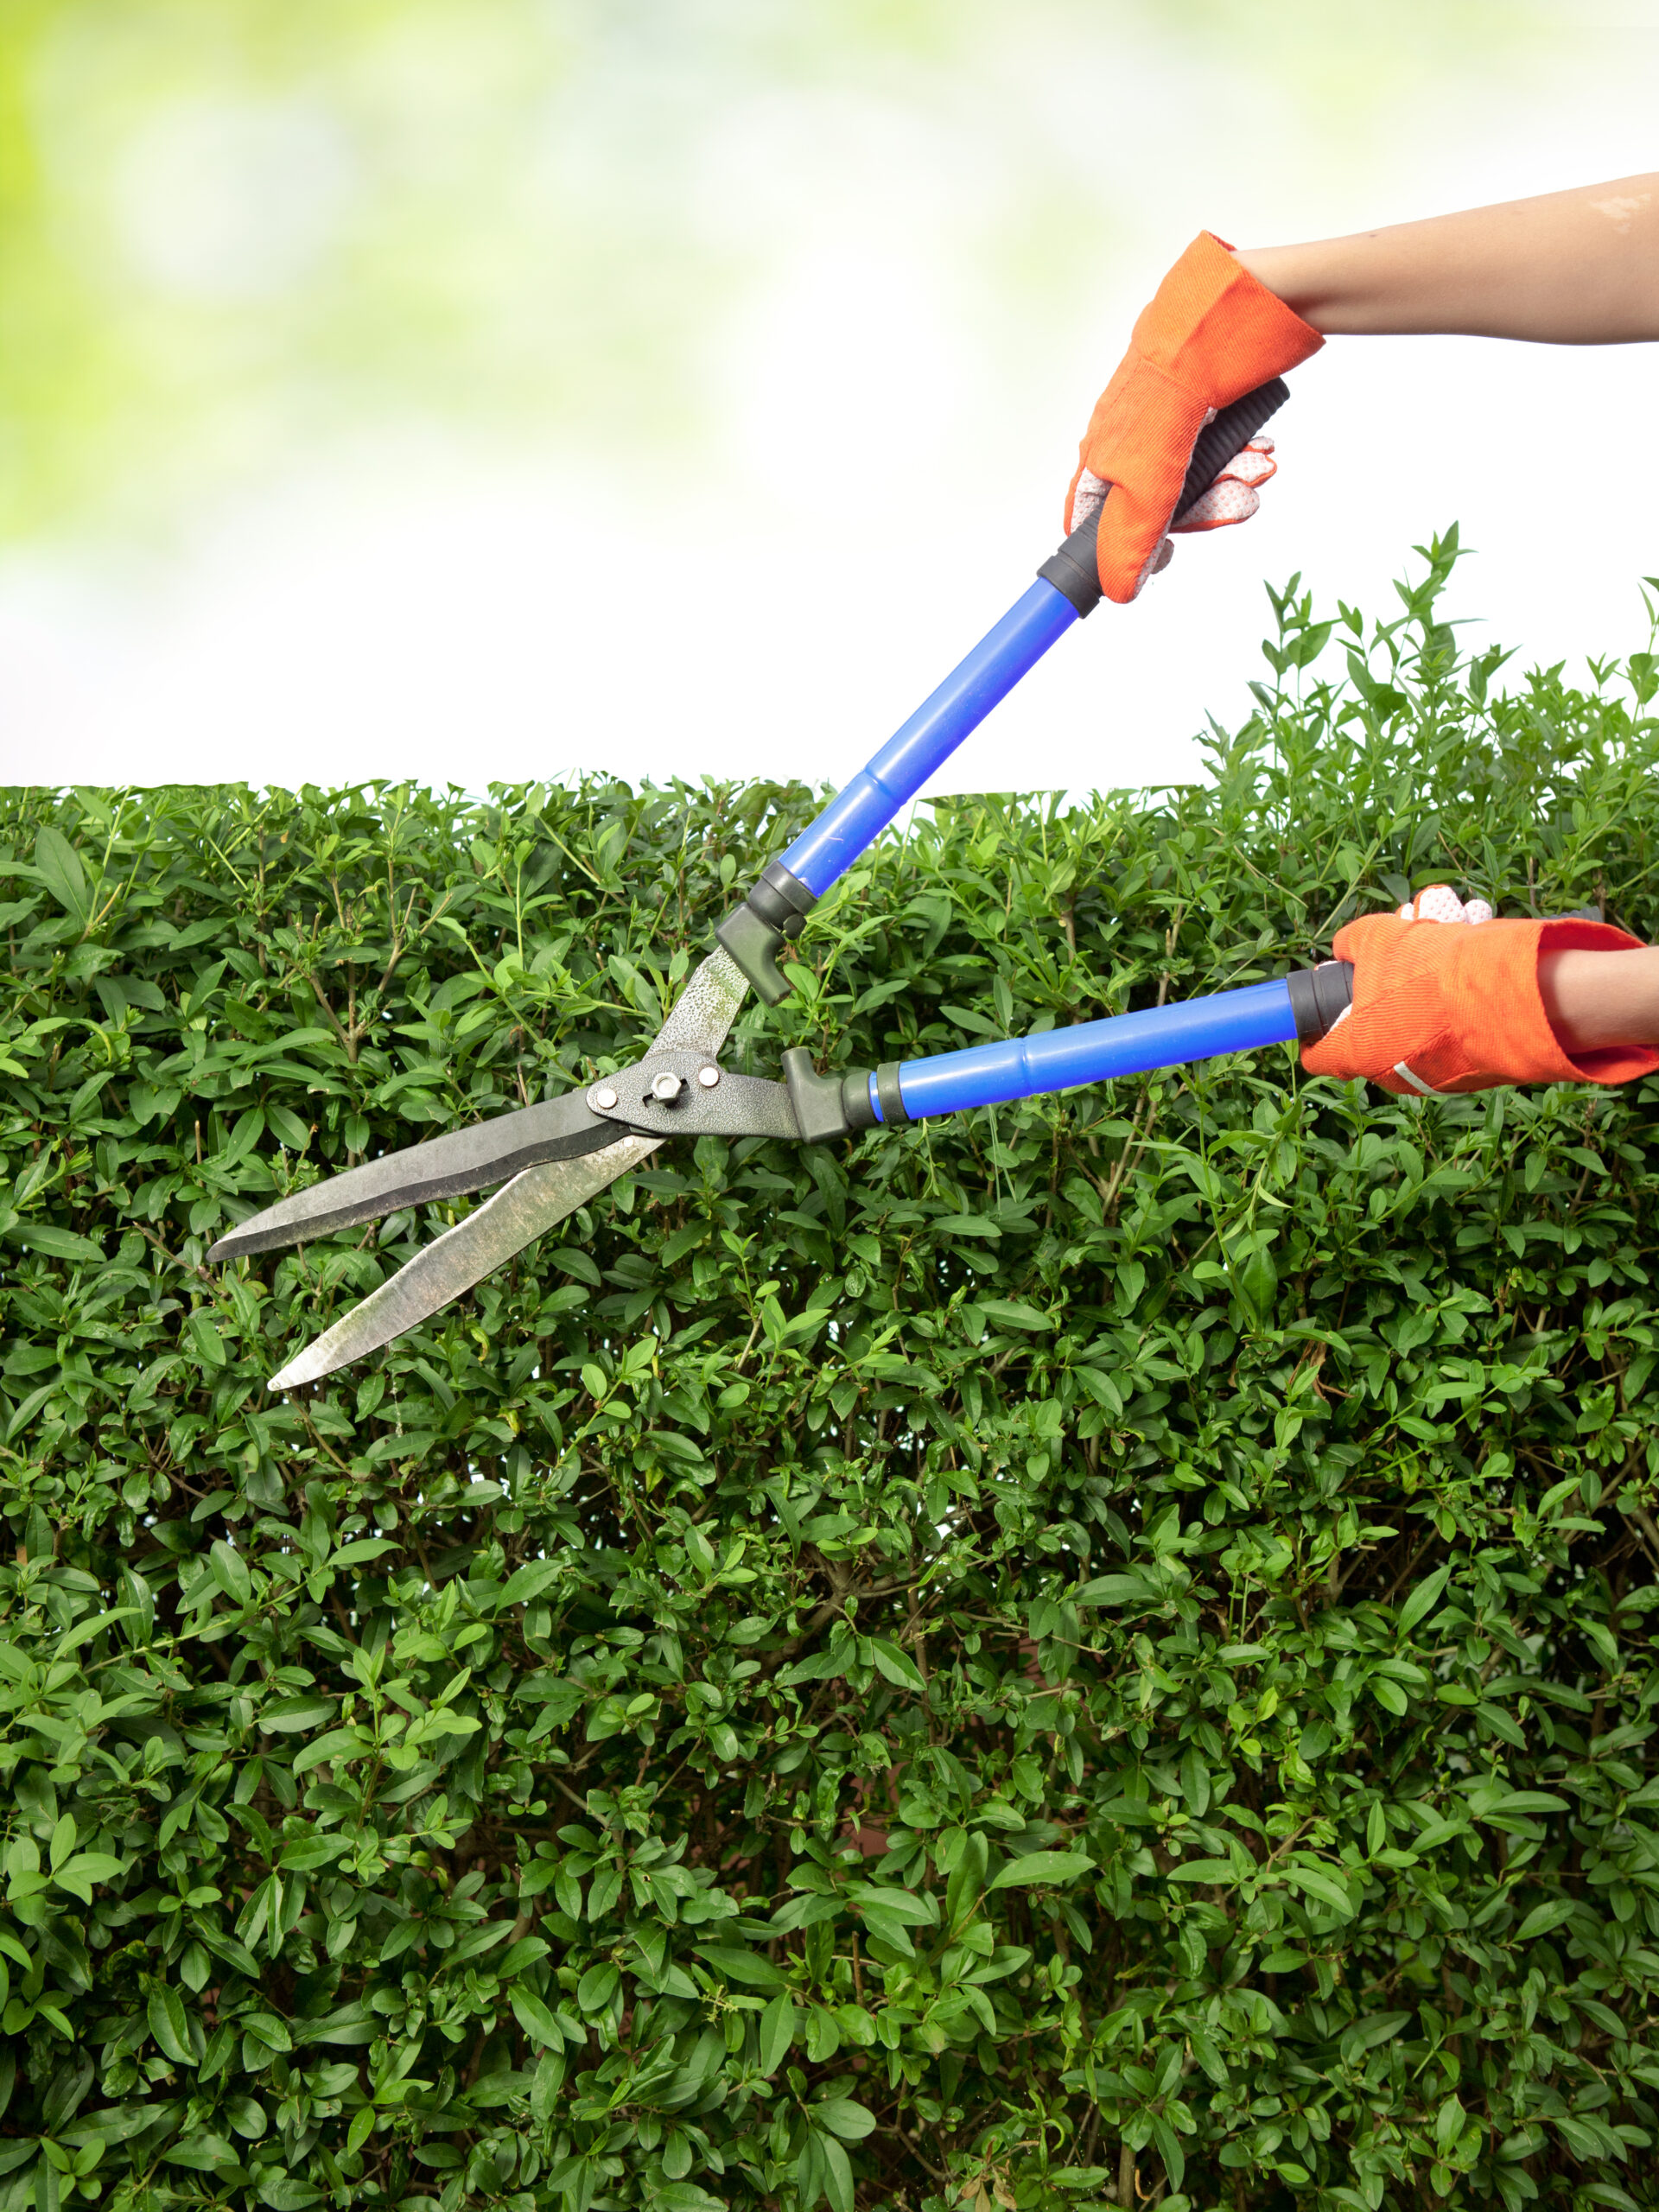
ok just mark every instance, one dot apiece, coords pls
pixel 1073 570
pixel 1319 997
pixel 1230 433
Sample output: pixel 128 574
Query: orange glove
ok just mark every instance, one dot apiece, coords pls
pixel 1446 999
pixel 1210 334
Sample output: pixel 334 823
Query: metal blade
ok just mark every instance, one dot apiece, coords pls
pixel 489 1152
pixel 515 1217
pixel 705 1010
pixel 441 1167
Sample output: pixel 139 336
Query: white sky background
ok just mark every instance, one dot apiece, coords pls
pixel 882 416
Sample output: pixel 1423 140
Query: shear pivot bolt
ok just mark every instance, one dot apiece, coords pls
pixel 709 1078
pixel 604 1097
pixel 667 1085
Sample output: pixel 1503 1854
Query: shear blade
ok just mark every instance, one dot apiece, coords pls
pixel 441 1167
pixel 504 1224
pixel 576 1153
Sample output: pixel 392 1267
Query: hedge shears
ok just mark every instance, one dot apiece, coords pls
pixel 551 1158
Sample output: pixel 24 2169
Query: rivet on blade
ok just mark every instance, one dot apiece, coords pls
pixel 605 1098
pixel 709 1077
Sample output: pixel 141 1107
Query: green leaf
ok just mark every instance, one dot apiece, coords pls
pixel 350 2026
pixel 820 1666
pixel 170 2026
pixel 534 2018
pixel 1103 1388
pixel 1048 1868
pixel 1554 1913
pixel 201 2151
pixel 597 1987
pixel 748 1968
pixel 288 1715
pixel 527 1582
pixel 114 2124
pixel 1116 1590
pixel 1195 1783
pixel 896 1665
pixel 967 1879
pixel 204 1334
pixel 86 1868
pixel 86 1631
pixel 230 1571
pixel 548 2080
pixel 1013 1313
pixel 1367 2033
pixel 284 2192
pixel 357 1554
pixel 57 1243
pixel 1169 2149
pixel 805 1912
pixel 1205 1870
pixel 1449 2126
pixel 779 2024
pixel 836 2168
pixel 338 1746
pixel 1325 1887
pixel 842 2116
pixel 290 1130
pixel 306 1853
pixel 1424 1598
pixel 58 867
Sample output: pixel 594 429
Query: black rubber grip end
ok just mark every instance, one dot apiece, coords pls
pixel 1072 568
pixel 1318 996
pixel 1231 432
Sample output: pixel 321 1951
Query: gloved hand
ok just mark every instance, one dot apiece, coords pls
pixel 1211 333
pixel 1446 999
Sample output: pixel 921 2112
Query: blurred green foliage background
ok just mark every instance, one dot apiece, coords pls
pixel 230 228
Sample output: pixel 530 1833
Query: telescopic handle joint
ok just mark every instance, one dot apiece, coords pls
pixel 1320 997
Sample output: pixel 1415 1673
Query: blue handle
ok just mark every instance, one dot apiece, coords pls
pixel 823 851
pixel 1067 587
pixel 1092 1052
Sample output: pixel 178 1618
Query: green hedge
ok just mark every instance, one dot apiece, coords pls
pixel 1109 1641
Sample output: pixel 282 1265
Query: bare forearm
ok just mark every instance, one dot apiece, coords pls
pixel 1597 999
pixel 1578 268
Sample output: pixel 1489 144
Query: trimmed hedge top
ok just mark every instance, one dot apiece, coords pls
pixel 1109 1640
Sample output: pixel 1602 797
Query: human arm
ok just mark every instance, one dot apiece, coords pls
pixel 1598 999
pixel 1569 268
pixel 1577 268
pixel 1447 999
